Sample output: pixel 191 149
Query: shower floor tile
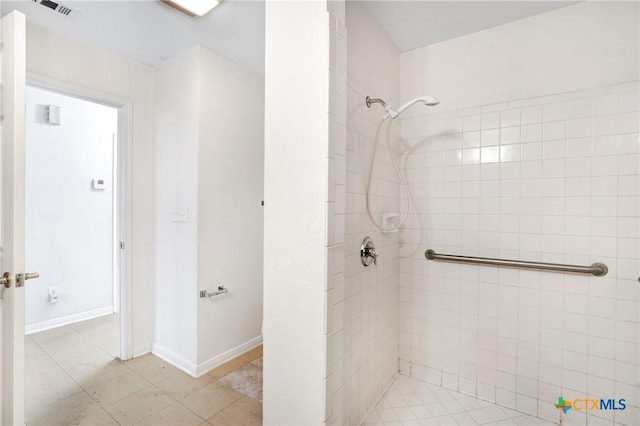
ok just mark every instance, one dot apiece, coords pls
pixel 413 402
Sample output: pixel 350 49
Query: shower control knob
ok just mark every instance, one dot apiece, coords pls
pixel 368 253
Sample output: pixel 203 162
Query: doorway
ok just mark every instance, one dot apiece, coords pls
pixel 72 238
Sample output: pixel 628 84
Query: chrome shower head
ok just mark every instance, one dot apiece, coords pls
pixel 394 113
pixel 427 100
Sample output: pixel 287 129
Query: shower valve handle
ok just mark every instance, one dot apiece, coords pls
pixel 368 253
pixel 371 252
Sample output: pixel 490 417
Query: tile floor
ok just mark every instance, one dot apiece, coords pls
pixel 413 402
pixel 73 377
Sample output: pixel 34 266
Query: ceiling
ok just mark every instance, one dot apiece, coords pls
pixel 413 24
pixel 150 32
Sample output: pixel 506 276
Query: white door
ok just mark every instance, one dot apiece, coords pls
pixel 12 218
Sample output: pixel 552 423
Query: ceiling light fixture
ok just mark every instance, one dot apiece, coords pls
pixel 193 7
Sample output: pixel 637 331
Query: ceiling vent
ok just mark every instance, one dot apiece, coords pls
pixel 58 7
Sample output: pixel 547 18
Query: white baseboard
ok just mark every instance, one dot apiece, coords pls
pixel 218 360
pixel 197 370
pixel 66 320
pixel 141 350
pixel 173 359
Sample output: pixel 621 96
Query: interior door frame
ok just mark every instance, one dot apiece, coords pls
pixel 124 191
pixel 13 66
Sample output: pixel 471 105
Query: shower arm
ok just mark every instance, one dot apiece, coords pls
pixel 370 101
pixel 390 111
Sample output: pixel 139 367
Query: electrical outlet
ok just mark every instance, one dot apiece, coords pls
pixel 54 294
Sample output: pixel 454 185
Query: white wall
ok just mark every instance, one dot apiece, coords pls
pixel 573 48
pixel 299 221
pixel 541 164
pixel 70 64
pixel 230 193
pixel 69 226
pixel 209 158
pixel 370 335
pixel 176 98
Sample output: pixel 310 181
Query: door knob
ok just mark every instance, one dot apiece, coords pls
pixel 5 280
pixel 21 278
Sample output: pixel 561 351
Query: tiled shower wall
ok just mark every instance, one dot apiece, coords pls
pixel 335 294
pixel 370 306
pixel 552 179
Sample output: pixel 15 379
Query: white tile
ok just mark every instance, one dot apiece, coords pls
pixel 625 372
pixel 628 206
pixel 509 153
pixel 471 139
pixel 624 87
pixel 553 130
pixel 531 151
pixel 486 391
pixel 605 165
pixel 510 135
pixel 629 164
pixel 554 111
pixel 604 186
pixel 490 154
pixel 605 105
pixel 471 123
pixel 340 170
pixel 554 168
pixel 387 415
pixel 527 404
pixel 522 103
pixel 628 101
pixel 531 133
pixel 471 156
pixel 553 148
pixel 510 169
pixel 579 108
pixel 510 117
pixel 490 120
pixel 629 416
pixel 608 125
pixel 579 147
pixel 404 413
pixel 340 200
pixel 532 114
pixel 505 398
pixel 490 137
pixel 605 145
pixel 578 166
pixel 579 128
pixel 629 186
pixel 493 107
pixel 628 123
pixel 573 381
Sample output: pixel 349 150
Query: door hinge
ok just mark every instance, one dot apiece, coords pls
pixel 121 245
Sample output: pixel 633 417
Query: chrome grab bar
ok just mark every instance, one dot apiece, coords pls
pixel 597 269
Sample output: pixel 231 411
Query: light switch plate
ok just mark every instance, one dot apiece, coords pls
pixel 98 184
pixel 180 214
